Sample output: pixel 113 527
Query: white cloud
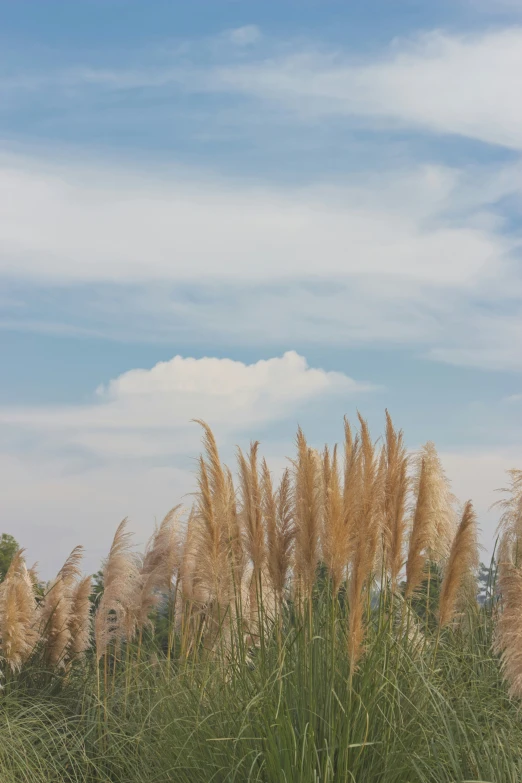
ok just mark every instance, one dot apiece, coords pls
pixel 148 413
pixel 398 257
pixel 465 84
pixel 460 84
pixel 138 446
pixel 244 36
pixel 92 224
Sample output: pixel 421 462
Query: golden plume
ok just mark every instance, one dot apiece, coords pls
pixel 55 612
pixel 277 510
pixel 80 619
pixel 307 512
pixel 395 498
pixel 463 561
pixel 120 575
pixel 18 612
pixel 508 631
pixel 510 524
pixel 335 538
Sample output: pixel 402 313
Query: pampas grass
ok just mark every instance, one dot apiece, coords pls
pixel 510 523
pixel 18 613
pixel 335 538
pixel 55 610
pixel 115 616
pixel 395 500
pixel 80 620
pixel 281 640
pixel 508 634
pixel 366 535
pixel 307 512
pixel 278 515
pixel 462 563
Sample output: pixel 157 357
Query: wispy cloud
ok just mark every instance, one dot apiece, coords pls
pixel 466 85
pixel 243 36
pixel 91 224
pixel 514 398
pixel 463 84
pixel 416 256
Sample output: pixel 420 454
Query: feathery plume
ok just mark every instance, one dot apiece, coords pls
pixel 441 504
pixel 277 510
pixel 510 524
pixel 352 492
pixel 366 537
pixel 212 528
pixel 120 575
pixel 251 508
pixel 18 609
pixel 395 497
pixel 463 561
pixel 349 444
pixel 155 574
pixel 162 555
pixel 370 523
pixel 307 510
pixel 421 533
pixel 80 618
pixel 508 632
pixel 335 540
pixel 212 543
pixel 188 560
pixel 55 612
pixel 33 575
pixel 235 542
pixel 433 525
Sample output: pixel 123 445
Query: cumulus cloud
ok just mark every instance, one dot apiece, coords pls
pixel 131 452
pixel 148 413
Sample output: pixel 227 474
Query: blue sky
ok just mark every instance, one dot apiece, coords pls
pixel 315 205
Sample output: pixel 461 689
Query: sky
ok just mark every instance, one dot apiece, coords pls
pixel 260 213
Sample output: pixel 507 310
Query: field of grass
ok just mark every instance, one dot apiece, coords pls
pixel 326 629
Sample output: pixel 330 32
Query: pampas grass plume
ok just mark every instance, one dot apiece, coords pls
pixel 462 561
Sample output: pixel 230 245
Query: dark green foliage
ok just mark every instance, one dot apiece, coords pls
pixel 419 709
pixel 8 547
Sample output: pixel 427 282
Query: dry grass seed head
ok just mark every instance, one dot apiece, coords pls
pixel 18 612
pixel 307 512
pixel 120 578
pixel 508 632
pixel 335 540
pixel 461 565
pixel 510 523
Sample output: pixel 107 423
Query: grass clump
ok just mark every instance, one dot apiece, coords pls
pixel 320 628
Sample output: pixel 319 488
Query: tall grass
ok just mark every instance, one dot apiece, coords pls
pixel 322 628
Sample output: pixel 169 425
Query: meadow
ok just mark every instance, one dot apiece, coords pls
pixel 324 627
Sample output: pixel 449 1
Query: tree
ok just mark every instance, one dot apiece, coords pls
pixel 97 587
pixel 8 547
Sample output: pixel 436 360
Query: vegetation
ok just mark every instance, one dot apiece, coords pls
pixel 327 629
pixel 9 546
